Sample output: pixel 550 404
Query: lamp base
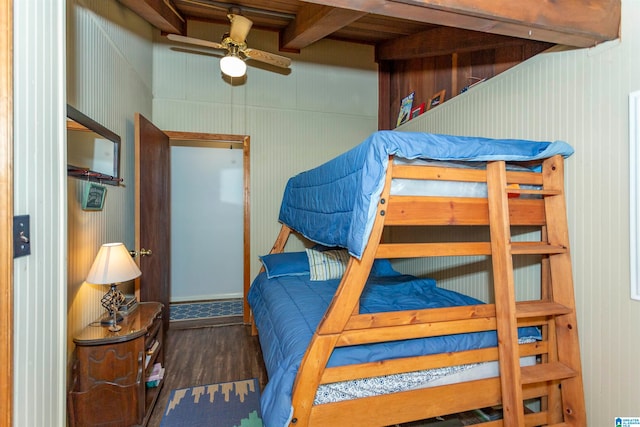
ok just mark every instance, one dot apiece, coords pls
pixel 107 319
pixel 111 301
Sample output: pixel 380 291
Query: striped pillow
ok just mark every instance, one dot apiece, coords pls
pixel 327 265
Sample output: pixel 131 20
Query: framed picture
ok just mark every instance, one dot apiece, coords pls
pixel 417 110
pixel 436 99
pixel 405 109
pixel 93 196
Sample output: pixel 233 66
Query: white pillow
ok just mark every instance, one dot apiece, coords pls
pixel 327 265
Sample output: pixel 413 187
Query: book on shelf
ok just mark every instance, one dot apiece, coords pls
pixel 150 352
pixel 153 347
pixel 156 375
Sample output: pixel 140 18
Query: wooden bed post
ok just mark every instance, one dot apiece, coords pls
pixel 503 285
pixel 278 246
pixel 562 291
pixel 562 364
pixel 281 240
pixel 342 308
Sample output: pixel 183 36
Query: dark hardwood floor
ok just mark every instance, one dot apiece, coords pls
pixel 218 350
pixel 206 352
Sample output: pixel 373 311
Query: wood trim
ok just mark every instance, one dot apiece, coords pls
pixel 246 311
pixel 409 405
pixel 6 213
pixel 441 41
pixel 314 22
pixel 198 136
pixel 592 22
pixel 161 14
pixel 215 140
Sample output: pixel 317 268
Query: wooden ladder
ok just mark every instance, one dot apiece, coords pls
pixel 558 378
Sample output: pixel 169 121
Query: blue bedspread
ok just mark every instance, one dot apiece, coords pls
pixel 335 203
pixel 288 309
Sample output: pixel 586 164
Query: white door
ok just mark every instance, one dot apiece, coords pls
pixel 206 223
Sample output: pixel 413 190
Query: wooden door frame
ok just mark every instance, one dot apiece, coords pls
pixel 6 213
pixel 216 138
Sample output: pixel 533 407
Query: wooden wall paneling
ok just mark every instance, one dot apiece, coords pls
pixel 384 95
pixel 530 49
pixel 424 76
pixel 399 88
pixel 507 58
pixel 463 72
pixel 407 76
pixel 483 63
pixel 421 76
pixel 442 77
pixel 428 75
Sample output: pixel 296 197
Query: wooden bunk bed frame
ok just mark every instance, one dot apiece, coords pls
pixel 556 379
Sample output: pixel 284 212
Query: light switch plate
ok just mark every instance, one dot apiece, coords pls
pixel 21 236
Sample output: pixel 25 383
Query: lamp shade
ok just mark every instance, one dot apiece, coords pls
pixel 233 66
pixel 113 264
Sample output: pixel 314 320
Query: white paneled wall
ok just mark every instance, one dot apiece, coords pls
pixel 579 96
pixel 327 104
pixel 39 191
pixel 109 61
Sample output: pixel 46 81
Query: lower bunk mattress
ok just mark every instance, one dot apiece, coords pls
pixel 287 309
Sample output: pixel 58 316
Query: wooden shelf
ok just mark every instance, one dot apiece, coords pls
pixel 92 176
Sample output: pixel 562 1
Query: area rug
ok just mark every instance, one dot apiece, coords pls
pixel 232 404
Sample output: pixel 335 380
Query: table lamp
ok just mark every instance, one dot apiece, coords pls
pixel 113 265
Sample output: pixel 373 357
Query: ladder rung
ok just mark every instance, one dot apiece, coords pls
pixel 546 372
pixel 526 309
pixel 536 418
pixel 536 248
pixel 539 192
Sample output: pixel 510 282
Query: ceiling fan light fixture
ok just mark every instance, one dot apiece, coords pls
pixel 233 66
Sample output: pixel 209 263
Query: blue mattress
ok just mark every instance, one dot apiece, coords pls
pixel 335 203
pixel 287 310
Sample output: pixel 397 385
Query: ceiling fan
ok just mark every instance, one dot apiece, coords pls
pixel 233 64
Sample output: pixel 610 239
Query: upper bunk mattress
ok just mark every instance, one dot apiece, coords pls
pixel 335 203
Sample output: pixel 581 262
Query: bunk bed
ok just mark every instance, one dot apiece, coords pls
pixel 348 340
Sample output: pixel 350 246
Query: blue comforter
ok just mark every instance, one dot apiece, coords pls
pixel 335 203
pixel 288 309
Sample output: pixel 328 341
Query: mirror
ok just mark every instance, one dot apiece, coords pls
pixel 93 151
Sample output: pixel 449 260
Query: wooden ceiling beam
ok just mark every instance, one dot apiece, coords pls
pixel 443 41
pixel 579 23
pixel 162 14
pixel 314 22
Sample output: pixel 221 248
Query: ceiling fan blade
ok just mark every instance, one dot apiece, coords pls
pixel 240 27
pixel 269 58
pixel 194 41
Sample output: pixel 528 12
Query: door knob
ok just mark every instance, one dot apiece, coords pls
pixel 142 252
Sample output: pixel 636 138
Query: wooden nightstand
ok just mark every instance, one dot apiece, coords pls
pixel 108 385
